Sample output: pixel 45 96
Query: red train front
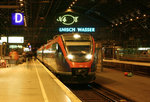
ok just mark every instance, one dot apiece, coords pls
pixel 70 57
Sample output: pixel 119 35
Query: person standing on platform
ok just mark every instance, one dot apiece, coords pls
pixel 35 55
pixel 14 56
pixel 29 56
pixel 24 56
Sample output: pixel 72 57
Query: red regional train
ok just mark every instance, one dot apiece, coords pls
pixel 71 57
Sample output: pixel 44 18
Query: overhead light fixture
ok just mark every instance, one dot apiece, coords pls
pixel 137 17
pixel 144 15
pixel 21 4
pixel 131 19
pixel 69 9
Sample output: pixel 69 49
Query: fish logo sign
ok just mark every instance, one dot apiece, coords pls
pixel 67 19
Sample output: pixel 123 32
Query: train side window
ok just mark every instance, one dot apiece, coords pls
pixel 59 50
pixel 55 47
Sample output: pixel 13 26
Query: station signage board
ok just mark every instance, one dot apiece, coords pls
pixel 73 22
pixel 15 39
pixel 77 29
pixel 17 19
pixel 15 46
pixel 4 39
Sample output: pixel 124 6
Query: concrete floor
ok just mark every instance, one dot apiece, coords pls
pixel 135 87
pixel 30 82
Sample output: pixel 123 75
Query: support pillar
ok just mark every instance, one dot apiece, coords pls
pixel 100 57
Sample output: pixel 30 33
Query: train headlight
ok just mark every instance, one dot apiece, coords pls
pixel 76 36
pixel 89 56
pixel 70 56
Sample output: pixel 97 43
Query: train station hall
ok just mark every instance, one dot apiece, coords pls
pixel 74 51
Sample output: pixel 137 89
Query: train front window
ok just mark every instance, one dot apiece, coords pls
pixel 76 37
pixel 78 53
pixel 78 47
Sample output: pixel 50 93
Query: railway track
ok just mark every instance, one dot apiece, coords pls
pixel 96 93
pixel 135 69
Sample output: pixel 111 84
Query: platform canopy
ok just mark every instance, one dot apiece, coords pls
pixel 126 18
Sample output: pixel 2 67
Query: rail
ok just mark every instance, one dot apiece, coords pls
pixel 96 93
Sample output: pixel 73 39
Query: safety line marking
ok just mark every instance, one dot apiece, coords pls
pixel 41 85
pixel 73 98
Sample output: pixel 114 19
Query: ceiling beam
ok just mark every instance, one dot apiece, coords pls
pixel 9 6
pixel 46 1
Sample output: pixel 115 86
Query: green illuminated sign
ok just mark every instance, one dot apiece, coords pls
pixel 67 19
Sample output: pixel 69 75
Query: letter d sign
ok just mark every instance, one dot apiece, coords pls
pixel 17 19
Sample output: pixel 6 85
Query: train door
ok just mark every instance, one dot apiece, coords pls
pixel 61 60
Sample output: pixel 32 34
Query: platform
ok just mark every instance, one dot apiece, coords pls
pixel 138 68
pixel 129 62
pixel 32 82
pixel 136 87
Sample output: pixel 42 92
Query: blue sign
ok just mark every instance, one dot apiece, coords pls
pixel 17 19
pixel 79 29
